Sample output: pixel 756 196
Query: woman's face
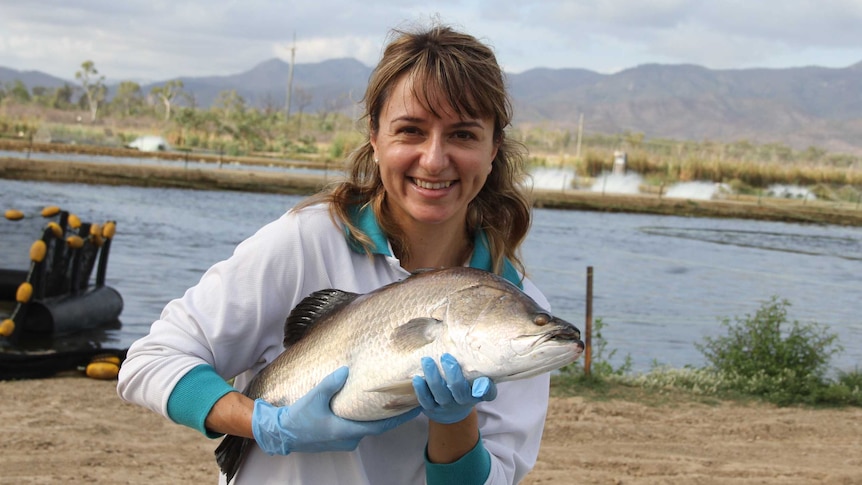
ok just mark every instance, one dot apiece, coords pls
pixel 431 167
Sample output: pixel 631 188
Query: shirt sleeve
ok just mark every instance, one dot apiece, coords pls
pixel 471 469
pixel 512 426
pixel 232 320
pixel 194 396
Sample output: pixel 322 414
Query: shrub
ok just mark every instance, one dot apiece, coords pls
pixel 757 346
pixel 759 357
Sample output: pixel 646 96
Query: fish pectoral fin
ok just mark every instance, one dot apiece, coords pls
pixel 401 394
pixel 404 403
pixel 416 333
pixel 400 388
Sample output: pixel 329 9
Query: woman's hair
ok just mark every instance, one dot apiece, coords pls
pixel 440 60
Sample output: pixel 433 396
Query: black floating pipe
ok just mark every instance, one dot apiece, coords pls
pixel 103 261
pixel 94 308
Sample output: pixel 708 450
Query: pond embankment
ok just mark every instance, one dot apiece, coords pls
pixel 29 167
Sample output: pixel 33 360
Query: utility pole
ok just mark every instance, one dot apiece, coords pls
pixel 290 79
pixel 580 134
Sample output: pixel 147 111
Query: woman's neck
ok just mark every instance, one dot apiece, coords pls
pixel 435 247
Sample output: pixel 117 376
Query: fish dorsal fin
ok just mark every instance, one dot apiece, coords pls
pixel 416 333
pixel 311 309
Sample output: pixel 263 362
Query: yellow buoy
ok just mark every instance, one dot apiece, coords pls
pixel 75 242
pixel 14 214
pixel 102 370
pixel 109 229
pixel 50 211
pixel 24 293
pixel 95 229
pixel 7 327
pixel 109 358
pixel 56 229
pixel 74 221
pixel 38 250
pixel 97 239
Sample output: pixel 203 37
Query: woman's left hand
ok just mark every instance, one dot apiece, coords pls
pixel 449 400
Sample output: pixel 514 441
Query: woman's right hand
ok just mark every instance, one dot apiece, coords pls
pixel 309 425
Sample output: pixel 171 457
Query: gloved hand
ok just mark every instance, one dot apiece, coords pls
pixel 449 400
pixel 308 425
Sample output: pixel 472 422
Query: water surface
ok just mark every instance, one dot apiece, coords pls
pixel 661 283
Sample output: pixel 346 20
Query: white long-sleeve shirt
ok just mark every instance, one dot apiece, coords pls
pixel 233 321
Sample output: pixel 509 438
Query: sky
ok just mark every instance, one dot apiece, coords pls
pixel 156 40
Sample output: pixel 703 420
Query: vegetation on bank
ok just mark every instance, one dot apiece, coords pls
pixel 761 356
pixel 234 126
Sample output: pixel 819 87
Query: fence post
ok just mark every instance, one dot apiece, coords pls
pixel 588 327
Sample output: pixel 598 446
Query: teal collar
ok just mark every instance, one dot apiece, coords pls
pixel 364 218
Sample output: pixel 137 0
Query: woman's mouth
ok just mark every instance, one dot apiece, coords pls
pixel 425 184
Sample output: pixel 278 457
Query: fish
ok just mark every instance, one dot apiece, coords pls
pixel 487 323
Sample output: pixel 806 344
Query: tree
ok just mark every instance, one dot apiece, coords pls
pixel 229 104
pixel 62 98
pixel 128 98
pixel 94 87
pixel 303 100
pixel 42 96
pixel 19 92
pixel 167 94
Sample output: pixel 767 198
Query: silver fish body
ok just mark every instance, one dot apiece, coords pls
pixel 489 325
pixel 485 322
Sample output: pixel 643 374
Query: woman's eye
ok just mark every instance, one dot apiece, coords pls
pixel 464 135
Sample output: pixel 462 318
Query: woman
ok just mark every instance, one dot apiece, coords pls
pixel 435 185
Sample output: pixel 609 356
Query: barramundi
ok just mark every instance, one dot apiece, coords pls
pixel 488 324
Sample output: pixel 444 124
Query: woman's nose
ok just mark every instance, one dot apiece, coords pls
pixel 434 155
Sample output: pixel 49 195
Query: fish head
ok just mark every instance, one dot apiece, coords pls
pixel 502 333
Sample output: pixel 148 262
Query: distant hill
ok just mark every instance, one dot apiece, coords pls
pixel 799 107
pixel 31 78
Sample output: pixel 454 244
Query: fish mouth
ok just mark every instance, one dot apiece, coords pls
pixel 564 334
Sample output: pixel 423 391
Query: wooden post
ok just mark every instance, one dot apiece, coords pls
pixel 588 327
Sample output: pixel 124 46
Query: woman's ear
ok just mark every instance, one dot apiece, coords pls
pixel 372 138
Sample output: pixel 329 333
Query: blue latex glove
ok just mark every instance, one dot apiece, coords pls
pixel 450 400
pixel 308 425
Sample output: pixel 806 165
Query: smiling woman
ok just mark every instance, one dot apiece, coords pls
pixel 436 184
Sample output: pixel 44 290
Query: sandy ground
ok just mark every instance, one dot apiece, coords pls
pixel 76 430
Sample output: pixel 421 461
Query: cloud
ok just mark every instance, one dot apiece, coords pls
pixel 160 39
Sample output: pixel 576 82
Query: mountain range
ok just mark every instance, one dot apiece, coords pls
pixel 798 107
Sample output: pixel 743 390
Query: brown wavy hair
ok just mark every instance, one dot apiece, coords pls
pixel 442 60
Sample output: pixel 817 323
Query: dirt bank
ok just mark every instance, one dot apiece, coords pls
pixel 269 182
pixel 76 430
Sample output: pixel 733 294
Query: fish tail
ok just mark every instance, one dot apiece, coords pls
pixel 230 454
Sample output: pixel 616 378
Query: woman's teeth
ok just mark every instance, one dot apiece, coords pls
pixel 432 185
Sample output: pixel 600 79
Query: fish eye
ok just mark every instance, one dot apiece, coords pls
pixel 542 319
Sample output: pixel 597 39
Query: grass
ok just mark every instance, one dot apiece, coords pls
pixel 763 357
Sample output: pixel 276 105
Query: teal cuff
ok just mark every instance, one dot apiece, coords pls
pixel 471 469
pixel 195 395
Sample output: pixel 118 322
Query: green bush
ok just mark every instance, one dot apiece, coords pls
pixel 757 346
pixel 762 356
